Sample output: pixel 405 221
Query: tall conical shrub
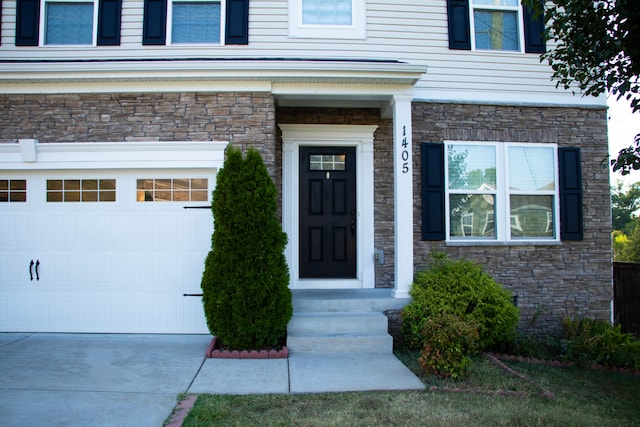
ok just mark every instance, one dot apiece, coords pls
pixel 246 296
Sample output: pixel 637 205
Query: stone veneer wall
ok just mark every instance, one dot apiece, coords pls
pixel 552 282
pixel 245 119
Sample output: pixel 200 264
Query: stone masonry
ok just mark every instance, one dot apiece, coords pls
pixel 551 281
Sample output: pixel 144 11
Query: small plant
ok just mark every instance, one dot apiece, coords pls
pixel 449 343
pixel 463 289
pixel 246 296
pixel 597 341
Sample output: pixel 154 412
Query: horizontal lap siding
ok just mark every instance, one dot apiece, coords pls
pixel 411 31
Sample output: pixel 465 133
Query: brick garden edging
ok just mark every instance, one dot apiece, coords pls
pixel 213 353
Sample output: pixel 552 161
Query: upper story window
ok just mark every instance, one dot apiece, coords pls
pixel 496 25
pixel 98 22
pixel 195 21
pixel 69 22
pixel 334 19
pixel 327 12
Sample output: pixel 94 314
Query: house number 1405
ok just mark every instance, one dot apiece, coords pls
pixel 405 152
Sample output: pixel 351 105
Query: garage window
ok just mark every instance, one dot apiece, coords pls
pixel 172 190
pixel 13 190
pixel 81 190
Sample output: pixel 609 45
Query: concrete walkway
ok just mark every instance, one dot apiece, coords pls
pixel 134 380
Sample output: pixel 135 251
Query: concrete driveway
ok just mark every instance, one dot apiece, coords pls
pixel 94 379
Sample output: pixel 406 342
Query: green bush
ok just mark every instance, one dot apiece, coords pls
pixel 596 341
pixel 449 343
pixel 245 284
pixel 463 289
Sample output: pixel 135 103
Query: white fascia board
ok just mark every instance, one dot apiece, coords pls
pixel 115 155
pixel 333 90
pixel 561 99
pixel 198 72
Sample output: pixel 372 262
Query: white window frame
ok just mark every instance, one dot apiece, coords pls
pixel 502 216
pixel 498 8
pixel 357 29
pixel 170 22
pixel 43 23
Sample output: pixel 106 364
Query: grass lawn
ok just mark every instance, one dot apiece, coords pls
pixel 490 396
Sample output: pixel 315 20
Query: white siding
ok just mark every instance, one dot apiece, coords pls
pixel 412 31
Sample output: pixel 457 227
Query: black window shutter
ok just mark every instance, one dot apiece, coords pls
pixel 109 12
pixel 459 29
pixel 27 19
pixel 154 28
pixel 534 32
pixel 570 172
pixel 433 189
pixel 237 22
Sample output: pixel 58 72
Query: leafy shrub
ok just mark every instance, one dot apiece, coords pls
pixel 245 284
pixel 463 289
pixel 596 341
pixel 449 343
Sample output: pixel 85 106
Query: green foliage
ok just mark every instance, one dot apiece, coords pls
pixel 596 341
pixel 463 289
pixel 449 343
pixel 596 47
pixel 246 297
pixel 624 203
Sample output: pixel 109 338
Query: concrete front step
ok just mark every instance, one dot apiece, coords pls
pixel 340 343
pixel 341 321
pixel 345 300
pixel 333 323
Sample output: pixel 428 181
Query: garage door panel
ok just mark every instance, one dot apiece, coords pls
pixel 135 313
pixel 103 267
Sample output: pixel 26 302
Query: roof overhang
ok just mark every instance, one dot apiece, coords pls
pixel 288 77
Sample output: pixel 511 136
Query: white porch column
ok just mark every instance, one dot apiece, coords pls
pixel 402 194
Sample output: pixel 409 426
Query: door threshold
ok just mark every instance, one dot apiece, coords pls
pixel 327 284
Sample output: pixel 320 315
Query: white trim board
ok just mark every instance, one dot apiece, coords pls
pixel 360 137
pixel 29 154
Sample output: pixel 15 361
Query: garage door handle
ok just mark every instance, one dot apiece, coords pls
pixel 37 272
pixel 31 270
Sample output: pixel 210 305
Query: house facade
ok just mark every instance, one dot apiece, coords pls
pixel 393 131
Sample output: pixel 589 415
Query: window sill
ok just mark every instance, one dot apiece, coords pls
pixel 503 243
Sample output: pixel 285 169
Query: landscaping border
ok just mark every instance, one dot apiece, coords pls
pixel 214 353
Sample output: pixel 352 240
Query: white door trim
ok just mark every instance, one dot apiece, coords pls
pixel 360 137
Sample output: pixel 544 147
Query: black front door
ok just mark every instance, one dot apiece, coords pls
pixel 327 212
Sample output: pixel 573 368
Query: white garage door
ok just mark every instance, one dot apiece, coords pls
pixel 104 250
